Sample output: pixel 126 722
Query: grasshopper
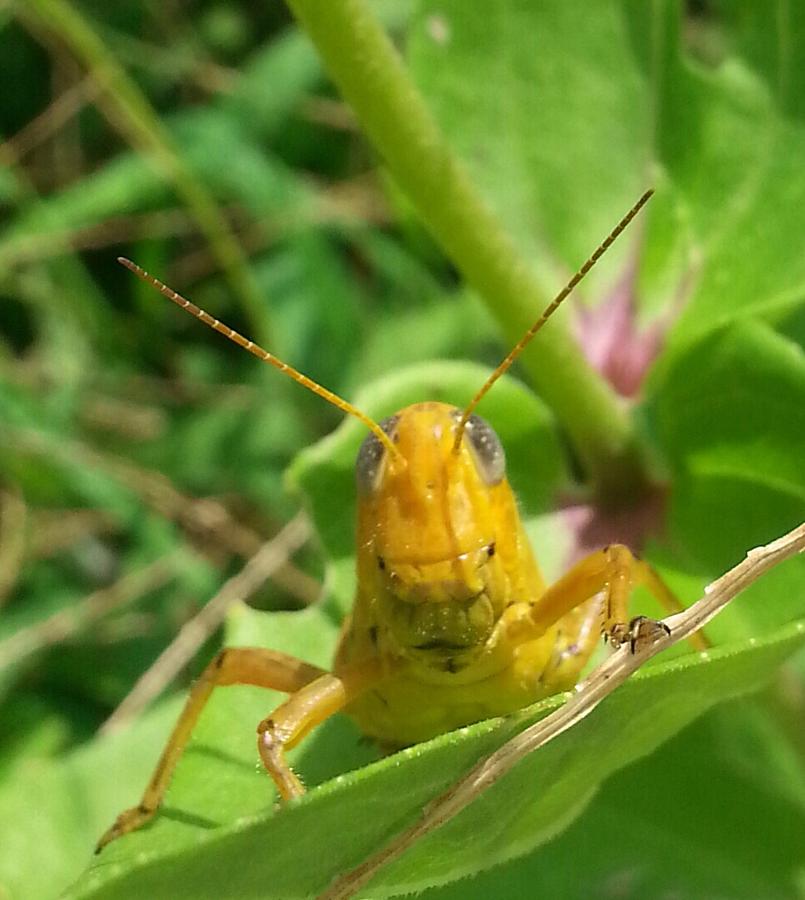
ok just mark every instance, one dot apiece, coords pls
pixel 452 621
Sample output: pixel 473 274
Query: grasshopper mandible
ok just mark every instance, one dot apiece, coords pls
pixel 452 621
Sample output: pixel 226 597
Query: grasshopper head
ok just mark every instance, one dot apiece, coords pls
pixel 436 524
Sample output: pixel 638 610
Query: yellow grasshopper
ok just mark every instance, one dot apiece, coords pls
pixel 452 621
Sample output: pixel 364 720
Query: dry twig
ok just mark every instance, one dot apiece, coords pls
pixel 13 516
pixel 44 126
pixel 588 694
pixel 76 618
pixel 195 631
pixel 204 517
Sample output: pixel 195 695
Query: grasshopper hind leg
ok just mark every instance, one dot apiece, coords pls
pixel 238 665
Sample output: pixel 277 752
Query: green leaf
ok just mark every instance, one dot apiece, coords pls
pixel 680 823
pixel 733 406
pixel 564 119
pixel 217 837
pixel 547 109
pixel 729 415
pixel 316 308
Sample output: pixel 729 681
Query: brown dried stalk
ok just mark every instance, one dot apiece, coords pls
pixel 270 557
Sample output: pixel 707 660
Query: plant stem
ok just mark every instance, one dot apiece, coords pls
pixel 370 74
pixel 132 114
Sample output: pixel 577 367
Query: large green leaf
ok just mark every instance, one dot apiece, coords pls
pixel 564 118
pixel 732 406
pixel 729 414
pixel 681 823
pixel 218 835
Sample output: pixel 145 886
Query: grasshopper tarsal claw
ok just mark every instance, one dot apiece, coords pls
pixel 127 821
pixel 640 632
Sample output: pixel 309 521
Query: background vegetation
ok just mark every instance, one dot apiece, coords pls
pixel 142 458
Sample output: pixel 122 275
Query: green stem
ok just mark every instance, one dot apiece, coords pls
pixel 371 76
pixel 134 117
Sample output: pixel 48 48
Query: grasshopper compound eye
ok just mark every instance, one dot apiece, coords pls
pixel 486 449
pixel 371 456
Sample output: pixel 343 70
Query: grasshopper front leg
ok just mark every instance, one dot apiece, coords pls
pixel 303 711
pixel 616 572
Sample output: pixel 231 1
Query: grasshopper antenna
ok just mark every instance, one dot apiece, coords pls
pixel 261 354
pixel 547 313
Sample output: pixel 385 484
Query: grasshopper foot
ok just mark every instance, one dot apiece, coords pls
pixel 640 632
pixel 129 820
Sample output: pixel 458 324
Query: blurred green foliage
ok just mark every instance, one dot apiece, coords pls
pixel 142 458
